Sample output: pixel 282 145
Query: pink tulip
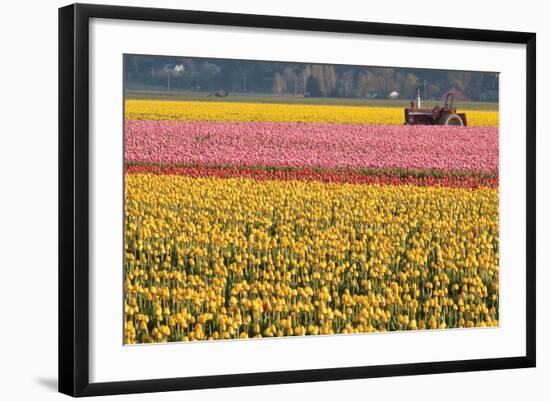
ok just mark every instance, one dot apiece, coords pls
pixel 470 149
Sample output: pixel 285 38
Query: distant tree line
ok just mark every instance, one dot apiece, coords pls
pixel 315 80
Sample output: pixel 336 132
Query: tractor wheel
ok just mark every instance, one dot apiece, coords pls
pixel 451 119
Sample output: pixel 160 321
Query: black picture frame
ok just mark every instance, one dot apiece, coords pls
pixel 74 194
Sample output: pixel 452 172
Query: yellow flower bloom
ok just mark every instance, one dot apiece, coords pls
pixel 246 112
pixel 239 258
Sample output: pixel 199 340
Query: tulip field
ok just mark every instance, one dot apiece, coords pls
pixel 251 220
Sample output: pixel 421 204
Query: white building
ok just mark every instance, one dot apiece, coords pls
pixel 393 95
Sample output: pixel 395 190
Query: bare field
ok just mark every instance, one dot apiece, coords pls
pixel 261 98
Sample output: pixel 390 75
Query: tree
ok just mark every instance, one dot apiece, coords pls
pixel 244 70
pixel 279 84
pixel 313 88
pixel 346 82
pixel 306 73
pixel 291 80
pixel 409 85
pixel 329 74
pixel 433 91
pixel 366 82
pixel 153 73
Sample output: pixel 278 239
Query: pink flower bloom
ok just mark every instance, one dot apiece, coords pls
pixel 473 149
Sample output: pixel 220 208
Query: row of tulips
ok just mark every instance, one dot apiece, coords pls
pixel 449 149
pixel 212 258
pixel 255 112
pixel 421 178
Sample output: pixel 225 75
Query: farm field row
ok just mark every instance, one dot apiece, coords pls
pixel 225 258
pixel 268 173
pixel 288 99
pixel 448 149
pixel 139 109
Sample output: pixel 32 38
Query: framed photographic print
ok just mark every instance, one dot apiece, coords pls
pixel 250 199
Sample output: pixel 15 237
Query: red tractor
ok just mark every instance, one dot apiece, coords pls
pixel 446 115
